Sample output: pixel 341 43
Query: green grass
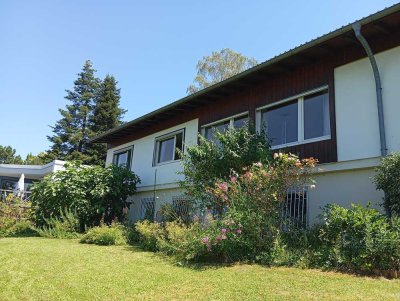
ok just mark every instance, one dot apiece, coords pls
pixel 52 269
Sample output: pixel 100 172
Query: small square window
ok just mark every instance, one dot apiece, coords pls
pixel 123 158
pixel 168 148
pixel 220 127
pixel 240 122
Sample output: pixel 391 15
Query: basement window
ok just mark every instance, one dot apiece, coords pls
pixel 168 147
pixel 297 120
pixel 123 157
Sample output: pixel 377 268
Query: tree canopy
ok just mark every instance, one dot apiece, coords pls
pixel 93 108
pixel 8 156
pixel 219 66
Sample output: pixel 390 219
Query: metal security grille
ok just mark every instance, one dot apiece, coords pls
pixel 181 205
pixel 147 207
pixel 294 210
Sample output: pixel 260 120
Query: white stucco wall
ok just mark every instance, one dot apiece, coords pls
pixel 142 159
pixel 343 187
pixel 356 109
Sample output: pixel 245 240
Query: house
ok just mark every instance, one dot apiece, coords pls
pixel 13 175
pixel 319 100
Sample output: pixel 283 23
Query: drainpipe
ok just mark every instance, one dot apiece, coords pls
pixel 378 86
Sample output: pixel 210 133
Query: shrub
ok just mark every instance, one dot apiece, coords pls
pixel 105 235
pixel 21 229
pixel 93 192
pixel 208 161
pixel 148 234
pixel 14 215
pixel 387 179
pixel 360 239
pixel 66 225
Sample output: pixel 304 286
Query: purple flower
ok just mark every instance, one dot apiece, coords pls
pixel 238 231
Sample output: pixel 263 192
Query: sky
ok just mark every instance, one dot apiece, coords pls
pixel 151 47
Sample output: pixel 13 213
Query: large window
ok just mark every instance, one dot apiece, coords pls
pixel 168 147
pixel 237 121
pixel 299 120
pixel 123 157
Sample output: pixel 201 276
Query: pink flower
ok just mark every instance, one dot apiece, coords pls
pixel 205 240
pixel 223 186
pixel 238 231
pixel 223 237
pixel 219 238
pixel 223 230
pixel 233 179
pixel 248 175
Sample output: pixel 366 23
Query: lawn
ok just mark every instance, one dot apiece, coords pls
pixel 51 269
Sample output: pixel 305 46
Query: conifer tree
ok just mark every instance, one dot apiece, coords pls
pixel 107 114
pixel 71 132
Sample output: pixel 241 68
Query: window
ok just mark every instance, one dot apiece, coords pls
pixel 147 208
pixel 221 126
pixel 123 157
pixel 168 147
pixel 282 124
pixel 316 116
pixel 299 120
pixel 181 205
pixel 294 210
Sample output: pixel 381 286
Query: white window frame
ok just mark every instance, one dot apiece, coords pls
pixel 300 118
pixel 231 120
pixel 159 139
pixel 123 150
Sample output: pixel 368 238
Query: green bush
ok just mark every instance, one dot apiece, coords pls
pixel 208 161
pixel 387 179
pixel 148 234
pixel 21 229
pixel 360 239
pixel 114 234
pixel 66 225
pixel 15 217
pixel 93 192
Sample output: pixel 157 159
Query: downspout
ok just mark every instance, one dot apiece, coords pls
pixel 378 86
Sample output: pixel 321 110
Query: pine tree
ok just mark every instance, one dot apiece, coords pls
pixel 72 131
pixel 107 114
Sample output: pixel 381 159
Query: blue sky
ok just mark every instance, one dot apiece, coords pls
pixel 151 47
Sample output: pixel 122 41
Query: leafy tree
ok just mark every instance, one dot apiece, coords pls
pixel 205 163
pixel 219 66
pixel 71 132
pixel 8 156
pixel 387 179
pixel 107 114
pixel 95 193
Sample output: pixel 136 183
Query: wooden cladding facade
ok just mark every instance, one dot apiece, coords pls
pixel 311 69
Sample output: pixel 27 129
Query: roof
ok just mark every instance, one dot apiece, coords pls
pixel 323 45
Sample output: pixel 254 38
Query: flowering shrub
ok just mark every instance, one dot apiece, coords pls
pixel 214 159
pixel 261 186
